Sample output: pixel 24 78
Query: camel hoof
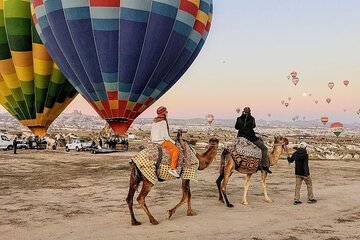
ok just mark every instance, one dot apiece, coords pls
pixel 170 213
pixel 230 205
pixel 154 222
pixel 245 203
pixel 268 200
pixel 135 223
pixel 191 213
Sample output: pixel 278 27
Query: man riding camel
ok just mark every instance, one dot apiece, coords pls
pixel 160 134
pixel 245 125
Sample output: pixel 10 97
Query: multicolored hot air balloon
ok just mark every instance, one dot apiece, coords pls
pixel 238 110
pixel 124 55
pixel 293 74
pixel 337 128
pixel 331 85
pixel 324 120
pixel 32 88
pixel 286 104
pixel 328 100
pixel 346 82
pixel 209 118
pixel 295 80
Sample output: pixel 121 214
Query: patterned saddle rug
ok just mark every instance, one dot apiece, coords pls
pixel 146 161
pixel 246 155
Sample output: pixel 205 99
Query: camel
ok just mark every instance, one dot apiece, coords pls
pixel 136 177
pixel 228 166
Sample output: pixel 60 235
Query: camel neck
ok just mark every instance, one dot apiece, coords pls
pixel 275 154
pixel 206 158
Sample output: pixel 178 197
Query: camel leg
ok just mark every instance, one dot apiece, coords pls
pixel 230 166
pixel 141 200
pixel 218 183
pixel 246 188
pixel 190 212
pixel 184 199
pixel 134 183
pixel 263 182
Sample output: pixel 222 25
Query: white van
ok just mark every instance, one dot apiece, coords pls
pixel 5 143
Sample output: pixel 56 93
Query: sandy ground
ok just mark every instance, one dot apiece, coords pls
pixel 58 195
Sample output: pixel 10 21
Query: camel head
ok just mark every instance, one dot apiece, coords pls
pixel 283 141
pixel 214 142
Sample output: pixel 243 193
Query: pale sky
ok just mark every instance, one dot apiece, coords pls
pixel 253 46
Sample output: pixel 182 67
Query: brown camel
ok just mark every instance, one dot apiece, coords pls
pixel 136 177
pixel 228 166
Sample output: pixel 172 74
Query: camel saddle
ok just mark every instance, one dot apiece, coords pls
pixel 246 155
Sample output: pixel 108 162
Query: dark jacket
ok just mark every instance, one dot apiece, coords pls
pixel 301 159
pixel 245 125
pixel 15 143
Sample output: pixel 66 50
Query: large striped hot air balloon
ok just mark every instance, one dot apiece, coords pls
pixel 337 128
pixel 123 55
pixel 32 88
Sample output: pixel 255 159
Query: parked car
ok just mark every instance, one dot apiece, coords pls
pixel 78 145
pixel 5 142
pixel 22 144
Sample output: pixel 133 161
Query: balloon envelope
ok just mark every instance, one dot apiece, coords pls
pixel 295 81
pixel 286 104
pixel 331 85
pixel 209 118
pixel 293 74
pixel 32 88
pixel 238 110
pixel 337 128
pixel 324 120
pixel 124 55
pixel 328 100
pixel 346 82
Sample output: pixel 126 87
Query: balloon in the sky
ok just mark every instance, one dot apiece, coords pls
pixel 344 110
pixel 238 110
pixel 209 118
pixel 293 74
pixel 310 94
pixel 294 119
pixel 32 88
pixel 304 118
pixel 288 77
pixel 282 102
pixel 289 98
pixel 316 101
pixel 124 55
pixel 337 128
pixel 269 114
pixel 328 100
pixel 286 104
pixel 324 120
pixel 295 80
pixel 358 112
pixel 346 82
pixel 331 85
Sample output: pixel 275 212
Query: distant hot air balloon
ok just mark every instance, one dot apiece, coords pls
pixel 295 81
pixel 288 77
pixel 331 85
pixel 209 118
pixel 316 101
pixel 324 120
pixel 124 55
pixel 286 104
pixel 238 110
pixel 358 112
pixel 346 82
pixel 328 100
pixel 269 114
pixel 344 110
pixel 310 94
pixel 293 74
pixel 337 128
pixel 294 119
pixel 289 98
pixel 32 88
pixel 282 102
pixel 304 118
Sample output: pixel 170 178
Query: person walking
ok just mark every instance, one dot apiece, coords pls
pixel 302 173
pixel 15 145
pixel 160 134
pixel 245 125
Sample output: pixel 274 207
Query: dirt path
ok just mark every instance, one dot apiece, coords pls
pixel 58 195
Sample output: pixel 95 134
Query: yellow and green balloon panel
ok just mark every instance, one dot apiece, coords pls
pixel 32 88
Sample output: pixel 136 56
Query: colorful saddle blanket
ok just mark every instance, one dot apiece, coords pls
pixel 245 154
pixel 146 160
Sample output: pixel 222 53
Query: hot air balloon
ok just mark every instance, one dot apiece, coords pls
pixel 324 120
pixel 328 100
pixel 282 102
pixel 289 98
pixel 331 85
pixel 294 119
pixel 358 112
pixel 286 104
pixel 316 101
pixel 269 114
pixel 344 110
pixel 288 77
pixel 304 118
pixel 32 88
pixel 124 55
pixel 293 74
pixel 295 81
pixel 346 82
pixel 238 110
pixel 209 118
pixel 337 128
pixel 310 94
